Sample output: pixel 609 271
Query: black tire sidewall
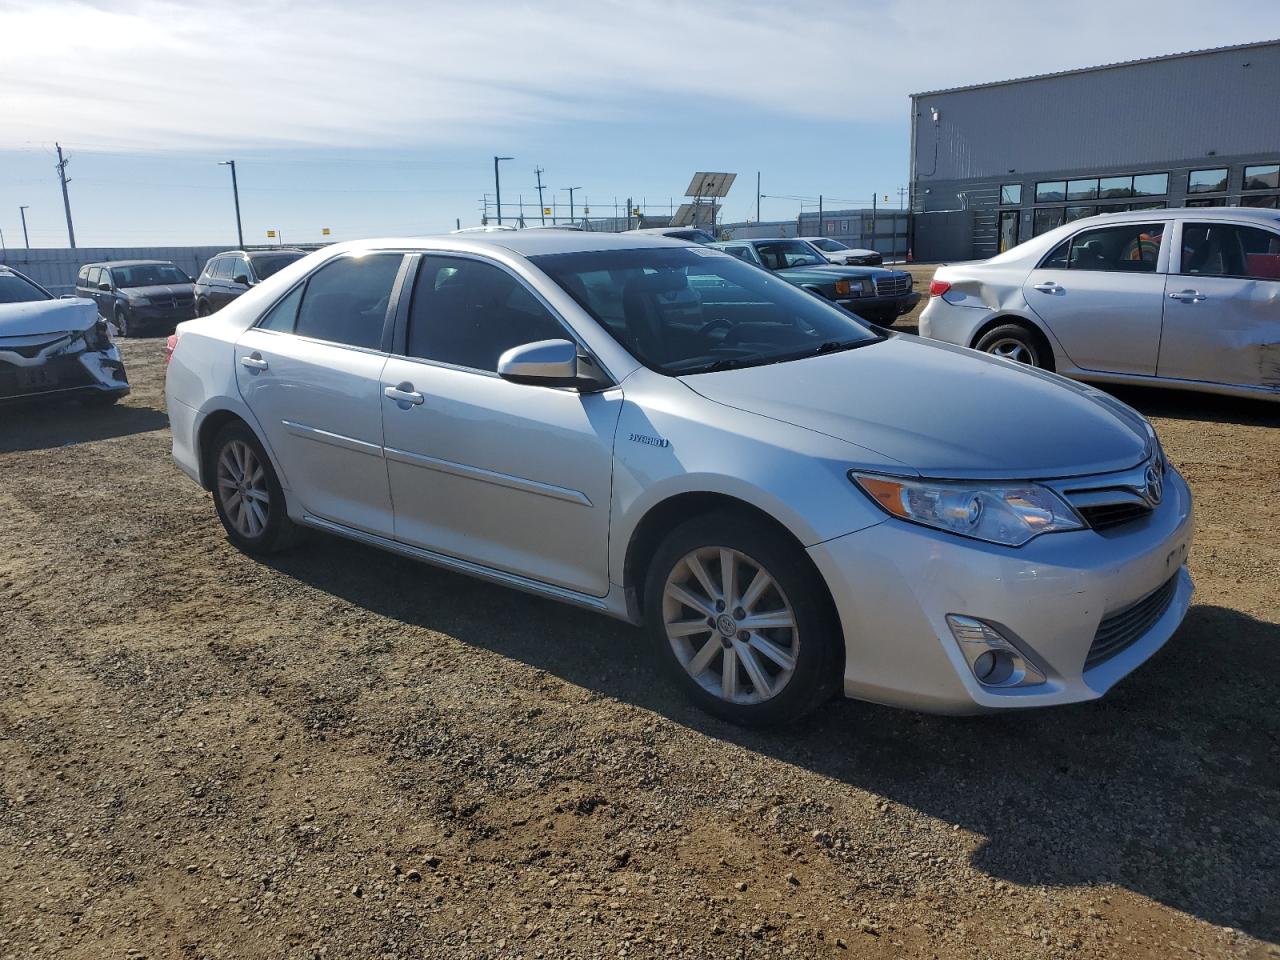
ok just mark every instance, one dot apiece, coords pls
pixel 819 669
pixel 1007 331
pixel 279 529
pixel 123 325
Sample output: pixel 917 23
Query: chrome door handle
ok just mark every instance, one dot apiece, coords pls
pixel 254 362
pixel 1048 286
pixel 1188 296
pixel 403 393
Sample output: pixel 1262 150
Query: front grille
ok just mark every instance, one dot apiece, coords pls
pixel 57 373
pixel 1105 515
pixel 893 285
pixel 1123 628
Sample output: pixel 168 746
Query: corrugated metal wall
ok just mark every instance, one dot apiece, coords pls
pixel 55 268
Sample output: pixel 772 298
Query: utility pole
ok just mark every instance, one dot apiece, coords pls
pixel 66 200
pixel 22 212
pixel 821 225
pixel 902 196
pixel 571 189
pixel 497 186
pixel 757 196
pixel 537 171
pixel 235 192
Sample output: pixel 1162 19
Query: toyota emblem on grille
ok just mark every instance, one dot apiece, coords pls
pixel 1155 484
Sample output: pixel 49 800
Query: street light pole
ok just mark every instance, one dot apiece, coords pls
pixel 22 212
pixel 571 189
pixel 235 191
pixel 497 186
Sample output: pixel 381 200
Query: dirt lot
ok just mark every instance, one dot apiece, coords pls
pixel 345 754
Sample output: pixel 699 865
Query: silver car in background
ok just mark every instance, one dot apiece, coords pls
pixel 1182 298
pixel 791 502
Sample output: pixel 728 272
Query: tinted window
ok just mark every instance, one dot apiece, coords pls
pixel 1046 220
pixel 1111 187
pixel 282 316
pixel 1082 189
pixel 346 300
pixel 742 253
pixel 1051 190
pixel 221 269
pixel 83 276
pixel 679 312
pixel 1151 185
pixel 1262 177
pixel 266 264
pixel 1207 181
pixel 1078 213
pixel 16 289
pixel 95 277
pixel 469 313
pixel 781 254
pixel 1131 248
pixel 1223 250
pixel 239 268
pixel 1011 194
pixel 1267 201
pixel 147 274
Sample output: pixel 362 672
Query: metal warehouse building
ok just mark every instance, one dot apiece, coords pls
pixel 997 163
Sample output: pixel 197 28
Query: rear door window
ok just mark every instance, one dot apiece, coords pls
pixel 346 300
pixel 1129 248
pixel 1228 250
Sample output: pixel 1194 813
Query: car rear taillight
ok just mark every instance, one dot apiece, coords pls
pixel 170 345
pixel 938 287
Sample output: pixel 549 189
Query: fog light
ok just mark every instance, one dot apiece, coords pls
pixel 993 659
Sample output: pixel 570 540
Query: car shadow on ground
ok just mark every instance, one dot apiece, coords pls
pixel 1169 786
pixel 42 426
pixel 1190 405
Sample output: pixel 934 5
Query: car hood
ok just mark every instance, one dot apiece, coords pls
pixel 941 411
pixel 160 290
pixel 47 316
pixel 832 271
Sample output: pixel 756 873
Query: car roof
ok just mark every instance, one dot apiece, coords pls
pixel 126 263
pixel 526 243
pixel 1200 213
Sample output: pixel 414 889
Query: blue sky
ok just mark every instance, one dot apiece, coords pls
pixel 383 117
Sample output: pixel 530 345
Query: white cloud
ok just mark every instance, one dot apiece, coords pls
pixel 166 74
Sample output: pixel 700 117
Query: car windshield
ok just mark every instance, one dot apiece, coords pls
pixel 697 310
pixel 16 289
pixel 264 265
pixel 148 274
pixel 829 245
pixel 782 254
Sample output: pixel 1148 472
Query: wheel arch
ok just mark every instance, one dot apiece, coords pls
pixel 1031 326
pixel 210 425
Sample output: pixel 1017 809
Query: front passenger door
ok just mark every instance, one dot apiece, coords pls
pixel 514 477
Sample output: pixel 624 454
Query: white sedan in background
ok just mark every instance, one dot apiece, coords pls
pixel 1182 298
pixel 836 252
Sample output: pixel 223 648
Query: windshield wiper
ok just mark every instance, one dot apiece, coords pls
pixel 832 346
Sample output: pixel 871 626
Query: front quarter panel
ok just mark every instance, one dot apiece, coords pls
pixel 672 441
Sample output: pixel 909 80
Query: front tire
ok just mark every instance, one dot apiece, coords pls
pixel 736 612
pixel 247 494
pixel 202 309
pixel 1013 341
pixel 123 326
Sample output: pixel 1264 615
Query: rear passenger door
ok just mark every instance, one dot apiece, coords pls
pixel 514 477
pixel 309 371
pixel 1222 306
pixel 1101 293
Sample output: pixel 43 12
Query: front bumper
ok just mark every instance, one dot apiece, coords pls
pixel 162 312
pixel 894 584
pixel 881 308
pixel 66 376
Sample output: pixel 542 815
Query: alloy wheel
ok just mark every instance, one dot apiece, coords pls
pixel 1013 349
pixel 242 489
pixel 730 625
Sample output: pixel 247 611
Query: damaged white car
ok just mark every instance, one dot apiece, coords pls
pixel 55 348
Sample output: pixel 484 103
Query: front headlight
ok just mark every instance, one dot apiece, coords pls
pixel 1008 514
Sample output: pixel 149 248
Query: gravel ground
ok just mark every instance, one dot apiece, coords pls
pixel 343 754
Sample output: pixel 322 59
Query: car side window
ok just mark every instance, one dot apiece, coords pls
pixel 284 314
pixel 468 313
pixel 742 253
pixel 1227 250
pixel 346 300
pixel 240 268
pixel 1128 248
pixel 83 278
pixel 104 276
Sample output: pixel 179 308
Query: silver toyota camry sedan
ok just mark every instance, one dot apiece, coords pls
pixel 1185 298
pixel 790 501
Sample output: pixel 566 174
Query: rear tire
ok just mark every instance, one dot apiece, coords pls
pixel 769 618
pixel 247 494
pixel 1013 341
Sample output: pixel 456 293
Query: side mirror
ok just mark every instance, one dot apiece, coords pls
pixel 105 287
pixel 547 363
pixel 242 280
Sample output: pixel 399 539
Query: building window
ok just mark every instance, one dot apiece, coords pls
pixel 1082 189
pixel 1270 202
pixel 831 226
pixel 1010 194
pixel 1151 185
pixel 1046 219
pixel 1079 213
pixel 1207 181
pixel 1149 205
pixel 1111 188
pixel 1051 190
pixel 1262 177
pixel 1009 228
pixel 1208 202
pixel 844 226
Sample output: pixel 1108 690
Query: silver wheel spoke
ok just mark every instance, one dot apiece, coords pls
pixel 704 579
pixel 689 600
pixel 763 621
pixel 759 584
pixel 259 516
pixel 256 495
pixel 759 679
pixel 729 674
pixel 227 460
pixel 685 628
pixel 702 659
pixel 728 576
pixel 771 650
pixel 232 502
